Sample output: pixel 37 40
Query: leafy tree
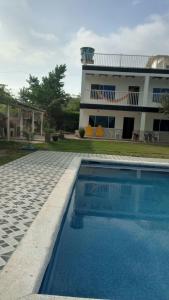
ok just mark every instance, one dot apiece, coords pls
pixel 47 94
pixel 165 104
pixel 73 103
pixel 5 95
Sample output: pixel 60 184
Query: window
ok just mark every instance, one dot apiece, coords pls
pixel 160 125
pixel 157 93
pixel 101 91
pixel 156 125
pixel 111 122
pixel 92 121
pixel 104 121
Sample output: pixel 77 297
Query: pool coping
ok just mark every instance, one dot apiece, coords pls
pixel 22 276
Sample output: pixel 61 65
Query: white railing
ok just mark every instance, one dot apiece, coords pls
pixel 125 98
pixel 123 60
pixel 115 97
pixel 159 97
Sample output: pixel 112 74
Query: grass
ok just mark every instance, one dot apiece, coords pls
pixel 109 147
pixel 11 150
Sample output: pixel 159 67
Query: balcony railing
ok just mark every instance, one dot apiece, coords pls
pixel 131 61
pixel 159 97
pixel 116 98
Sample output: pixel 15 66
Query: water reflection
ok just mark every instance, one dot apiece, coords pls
pixel 135 194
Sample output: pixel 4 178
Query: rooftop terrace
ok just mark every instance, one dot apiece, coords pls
pixel 90 57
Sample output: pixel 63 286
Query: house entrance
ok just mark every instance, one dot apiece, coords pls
pixel 128 126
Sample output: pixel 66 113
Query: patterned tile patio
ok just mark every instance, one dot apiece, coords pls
pixel 25 185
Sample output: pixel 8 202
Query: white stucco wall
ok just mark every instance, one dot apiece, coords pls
pixel 122 84
pixel 119 116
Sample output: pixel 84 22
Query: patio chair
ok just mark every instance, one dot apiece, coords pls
pixel 146 139
pixel 89 131
pixel 99 131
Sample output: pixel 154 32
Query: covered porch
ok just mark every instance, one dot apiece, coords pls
pixel 125 125
pixel 17 119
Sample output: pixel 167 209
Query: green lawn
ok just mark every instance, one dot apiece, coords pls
pixel 11 150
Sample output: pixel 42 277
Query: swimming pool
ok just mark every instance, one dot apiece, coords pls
pixel 114 238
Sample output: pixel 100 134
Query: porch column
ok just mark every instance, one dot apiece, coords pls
pixel 41 124
pixel 8 122
pixel 142 125
pixel 33 122
pixel 146 90
pixel 144 104
pixel 21 123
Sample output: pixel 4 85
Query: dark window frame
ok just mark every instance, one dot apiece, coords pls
pixel 102 91
pixel 110 121
pixel 161 125
pixel 157 94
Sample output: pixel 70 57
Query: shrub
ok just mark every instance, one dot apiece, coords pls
pixel 81 132
pixel 70 121
pixel 28 135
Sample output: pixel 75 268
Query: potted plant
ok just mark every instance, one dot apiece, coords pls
pixel 29 135
pixel 81 132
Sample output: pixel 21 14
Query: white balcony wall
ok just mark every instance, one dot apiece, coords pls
pixel 122 84
pixel 119 117
pixel 156 83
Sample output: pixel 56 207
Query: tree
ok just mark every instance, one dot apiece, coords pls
pixel 165 104
pixel 47 94
pixel 5 95
pixel 73 103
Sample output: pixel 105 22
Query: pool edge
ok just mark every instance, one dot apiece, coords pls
pixel 21 279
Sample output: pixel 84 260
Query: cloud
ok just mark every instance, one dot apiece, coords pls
pixel 47 37
pixel 136 2
pixel 25 49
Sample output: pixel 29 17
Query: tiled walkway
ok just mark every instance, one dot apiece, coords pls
pixel 25 185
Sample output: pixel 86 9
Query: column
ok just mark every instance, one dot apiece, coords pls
pixel 21 123
pixel 144 104
pixel 8 122
pixel 142 125
pixel 41 125
pixel 146 90
pixel 33 122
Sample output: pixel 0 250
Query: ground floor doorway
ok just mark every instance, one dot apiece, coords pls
pixel 128 126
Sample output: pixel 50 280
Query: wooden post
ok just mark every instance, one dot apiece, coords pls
pixel 8 122
pixel 21 123
pixel 33 122
pixel 41 125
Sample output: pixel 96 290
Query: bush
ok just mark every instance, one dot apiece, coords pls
pixel 70 121
pixel 28 135
pixel 81 132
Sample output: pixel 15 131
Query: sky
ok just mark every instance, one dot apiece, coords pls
pixel 37 35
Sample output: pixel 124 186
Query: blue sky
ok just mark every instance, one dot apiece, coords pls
pixel 35 35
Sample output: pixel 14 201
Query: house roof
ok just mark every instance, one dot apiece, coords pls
pixel 20 104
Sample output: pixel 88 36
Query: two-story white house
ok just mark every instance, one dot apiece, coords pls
pixel 122 95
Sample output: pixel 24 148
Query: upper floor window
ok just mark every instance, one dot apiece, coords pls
pixel 102 91
pixel 158 93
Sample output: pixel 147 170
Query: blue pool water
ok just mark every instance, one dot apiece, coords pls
pixel 114 240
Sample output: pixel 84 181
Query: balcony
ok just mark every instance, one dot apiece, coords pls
pixel 123 98
pixel 113 97
pixel 122 60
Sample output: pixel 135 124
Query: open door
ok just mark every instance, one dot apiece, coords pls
pixel 133 95
pixel 128 126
